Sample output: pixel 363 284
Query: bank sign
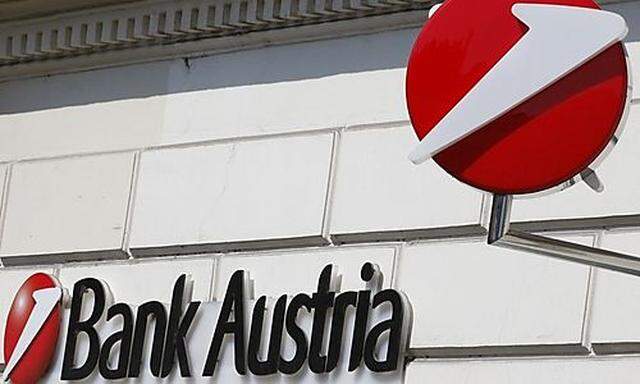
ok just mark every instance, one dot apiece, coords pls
pixel 509 97
pixel 518 97
pixel 342 337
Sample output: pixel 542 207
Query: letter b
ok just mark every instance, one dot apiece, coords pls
pixel 69 372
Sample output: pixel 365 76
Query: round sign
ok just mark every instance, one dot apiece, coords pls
pixel 473 57
pixel 30 338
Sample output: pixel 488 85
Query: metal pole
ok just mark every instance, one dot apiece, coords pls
pixel 502 236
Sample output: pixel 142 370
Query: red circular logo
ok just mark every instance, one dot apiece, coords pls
pixel 522 99
pixel 31 332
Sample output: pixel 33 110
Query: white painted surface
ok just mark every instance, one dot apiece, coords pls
pixel 580 370
pixel 616 296
pixel 276 273
pixel 378 189
pixel 10 282
pixel 67 205
pixel 467 293
pixel 464 294
pixel 137 282
pixel 633 50
pixel 288 106
pixel 240 191
pixel 621 185
pixel 559 39
pixel 279 89
pixel 630 11
pixel 87 128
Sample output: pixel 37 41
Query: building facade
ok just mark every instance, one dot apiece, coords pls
pixel 140 140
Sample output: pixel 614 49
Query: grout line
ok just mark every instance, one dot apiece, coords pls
pixel 585 334
pixel 380 125
pixel 254 137
pixel 216 277
pixel 397 255
pixel 214 141
pixel 73 155
pixel 373 239
pixel 135 171
pixel 3 204
pixel 365 239
pixel 56 271
pixel 331 182
pixel 183 145
pixel 214 268
pixel 458 353
pixel 465 359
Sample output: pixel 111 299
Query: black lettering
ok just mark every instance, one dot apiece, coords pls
pixel 69 371
pixel 322 301
pixel 343 301
pixel 359 330
pixel 394 326
pixel 292 366
pixel 270 366
pixel 156 311
pixel 177 331
pixel 123 337
pixel 233 304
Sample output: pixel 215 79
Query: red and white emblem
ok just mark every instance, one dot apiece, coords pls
pixel 517 96
pixel 31 332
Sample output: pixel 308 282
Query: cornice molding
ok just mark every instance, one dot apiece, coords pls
pixel 14 10
pixel 167 24
pixel 141 31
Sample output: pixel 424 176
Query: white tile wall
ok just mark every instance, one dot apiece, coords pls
pixel 633 50
pixel 622 187
pixel 67 205
pixel 10 281
pixel 467 293
pixel 138 282
pixel 241 191
pixel 292 87
pixel 378 189
pixel 4 174
pixel 286 106
pixel 525 371
pixel 277 273
pixel 616 296
pixel 278 89
pixel 184 117
pixel 464 293
pixel 92 111
pixel 93 127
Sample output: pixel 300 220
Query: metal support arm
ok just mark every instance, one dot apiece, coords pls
pixel 502 236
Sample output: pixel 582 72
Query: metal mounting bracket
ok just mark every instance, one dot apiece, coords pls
pixel 502 236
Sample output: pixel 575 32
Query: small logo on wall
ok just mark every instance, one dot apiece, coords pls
pixel 517 97
pixel 32 329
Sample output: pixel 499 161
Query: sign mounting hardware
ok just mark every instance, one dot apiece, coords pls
pixel 517 98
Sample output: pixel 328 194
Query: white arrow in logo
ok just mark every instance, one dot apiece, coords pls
pixel 559 40
pixel 46 300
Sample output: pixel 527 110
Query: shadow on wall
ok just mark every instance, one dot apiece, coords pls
pixel 273 64
pixel 312 60
pixel 631 12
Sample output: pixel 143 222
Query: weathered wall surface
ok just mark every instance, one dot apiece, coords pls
pixel 282 159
